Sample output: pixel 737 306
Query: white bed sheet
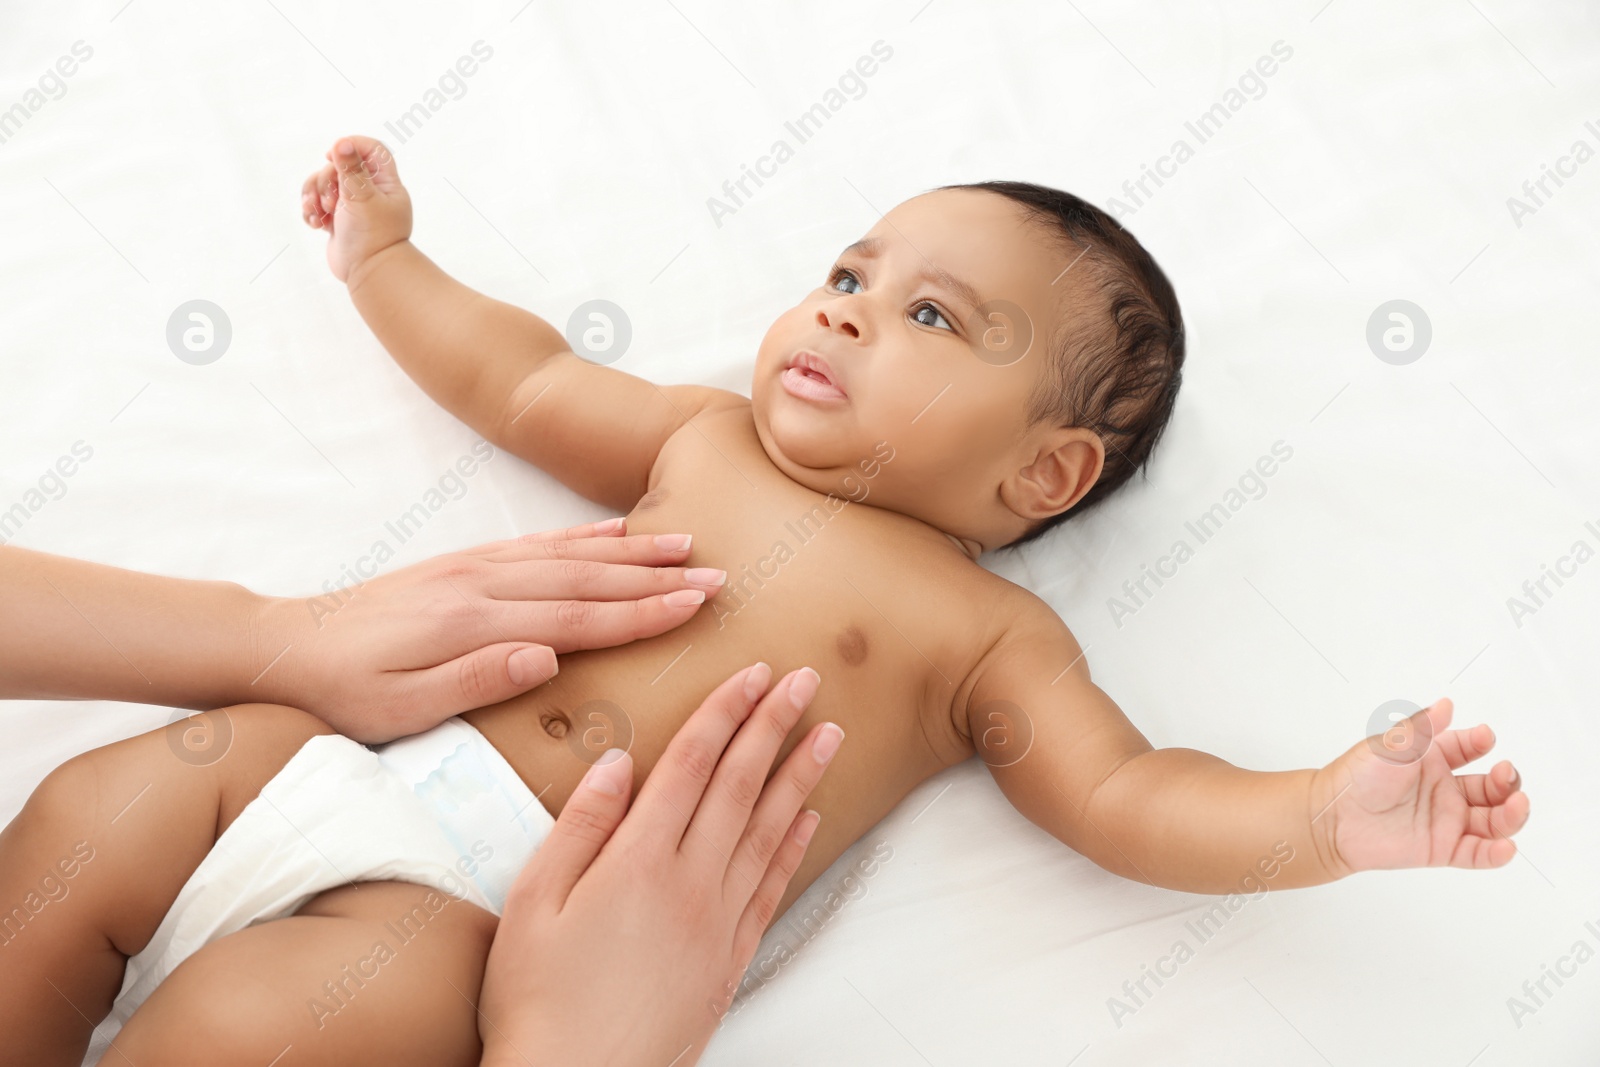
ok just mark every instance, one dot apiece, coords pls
pixel 1376 164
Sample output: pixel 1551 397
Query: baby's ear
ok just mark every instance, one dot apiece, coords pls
pixel 1064 465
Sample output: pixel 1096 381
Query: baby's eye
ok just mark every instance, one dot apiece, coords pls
pixel 839 275
pixel 937 315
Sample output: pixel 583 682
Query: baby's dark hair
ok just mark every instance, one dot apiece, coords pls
pixel 1118 374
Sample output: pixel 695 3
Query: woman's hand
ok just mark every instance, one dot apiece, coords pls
pixel 624 945
pixel 396 655
pixel 404 651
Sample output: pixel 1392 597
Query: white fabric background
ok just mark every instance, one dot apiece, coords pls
pixel 578 163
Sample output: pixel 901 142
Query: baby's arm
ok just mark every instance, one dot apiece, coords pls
pixel 504 371
pixel 1065 755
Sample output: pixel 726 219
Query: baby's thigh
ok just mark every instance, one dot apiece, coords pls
pixel 374 972
pixel 99 852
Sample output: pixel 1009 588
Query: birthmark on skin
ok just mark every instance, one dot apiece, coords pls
pixel 852 645
pixel 555 723
pixel 653 499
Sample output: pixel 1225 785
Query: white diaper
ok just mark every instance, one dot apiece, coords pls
pixel 440 809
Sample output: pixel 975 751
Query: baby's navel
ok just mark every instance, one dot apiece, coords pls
pixel 852 645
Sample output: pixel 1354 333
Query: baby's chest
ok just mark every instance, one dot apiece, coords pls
pixel 804 570
pixel 814 579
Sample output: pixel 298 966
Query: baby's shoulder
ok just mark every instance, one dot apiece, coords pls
pixel 998 618
pixel 1024 645
pixel 1026 620
pixel 725 420
pixel 724 415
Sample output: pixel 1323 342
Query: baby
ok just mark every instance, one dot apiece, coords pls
pixel 985 362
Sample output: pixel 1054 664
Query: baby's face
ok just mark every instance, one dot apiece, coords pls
pixel 919 337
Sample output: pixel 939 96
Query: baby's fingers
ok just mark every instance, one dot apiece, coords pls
pixel 1502 820
pixel 326 191
pixel 1461 747
pixel 315 206
pixel 354 181
pixel 364 164
pixel 308 212
pixel 1487 790
pixel 1477 853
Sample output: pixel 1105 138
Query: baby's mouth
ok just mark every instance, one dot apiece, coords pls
pixel 808 377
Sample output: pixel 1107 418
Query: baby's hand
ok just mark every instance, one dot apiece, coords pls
pixel 1391 801
pixel 357 197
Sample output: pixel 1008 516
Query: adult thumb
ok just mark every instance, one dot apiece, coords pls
pixel 591 815
pixel 482 677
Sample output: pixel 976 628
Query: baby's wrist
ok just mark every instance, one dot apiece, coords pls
pixel 1323 816
pixel 362 269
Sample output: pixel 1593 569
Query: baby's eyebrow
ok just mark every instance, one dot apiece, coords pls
pixel 870 247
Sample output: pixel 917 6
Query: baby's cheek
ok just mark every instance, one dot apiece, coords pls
pixel 907 405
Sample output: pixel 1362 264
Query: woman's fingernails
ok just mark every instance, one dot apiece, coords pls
pixel 609 526
pixel 682 598
pixel 673 542
pixel 827 742
pixel 705 576
pixel 609 774
pixel 803 688
pixel 807 827
pixel 756 681
pixel 522 667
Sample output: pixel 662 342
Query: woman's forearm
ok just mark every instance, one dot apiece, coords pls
pixel 76 630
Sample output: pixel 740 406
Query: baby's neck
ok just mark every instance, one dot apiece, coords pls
pixel 969 548
pixel 832 484
pixel 965 545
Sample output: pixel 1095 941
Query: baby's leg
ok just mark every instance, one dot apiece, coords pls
pixel 374 972
pixel 92 863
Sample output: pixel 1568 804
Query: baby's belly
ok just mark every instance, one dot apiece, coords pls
pixel 637 696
